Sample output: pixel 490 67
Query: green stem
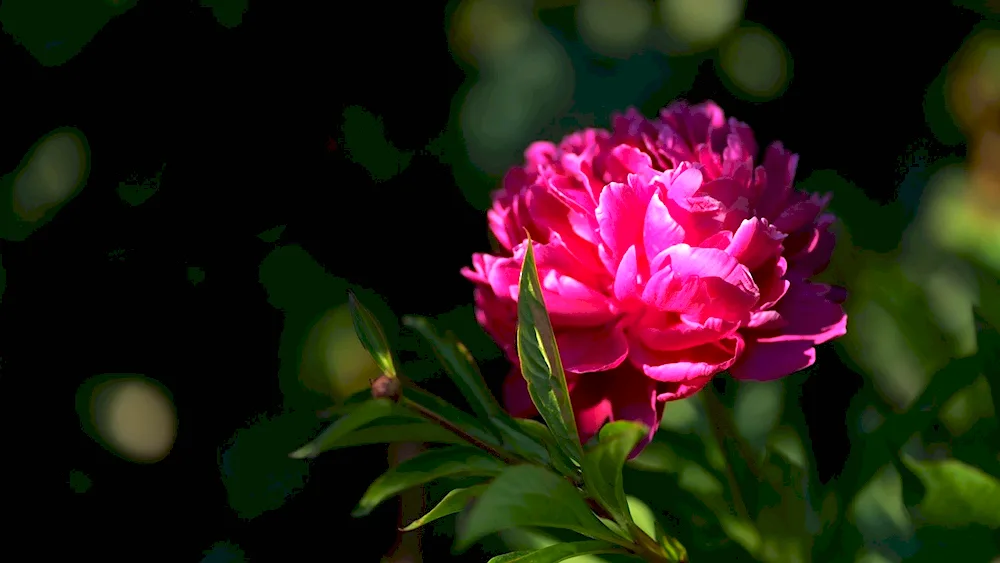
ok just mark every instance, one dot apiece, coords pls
pixel 648 548
pixel 723 427
pixel 433 417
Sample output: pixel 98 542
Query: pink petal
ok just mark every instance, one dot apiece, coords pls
pixel 590 400
pixel 765 361
pixel 629 278
pixel 755 242
pixel 702 282
pixel 591 349
pixel 671 332
pixel 800 213
pixel 688 365
pixel 516 399
pixel 659 231
pixel 809 316
pixel 622 212
pixel 816 254
pixel 779 167
pixel 633 397
pixel 719 241
pixel 677 391
pixel 625 160
pixel 498 317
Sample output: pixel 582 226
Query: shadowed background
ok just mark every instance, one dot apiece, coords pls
pixel 191 188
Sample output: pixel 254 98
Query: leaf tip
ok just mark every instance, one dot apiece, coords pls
pixel 302 453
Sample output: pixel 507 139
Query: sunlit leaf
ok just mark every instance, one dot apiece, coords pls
pixel 526 495
pixel 955 494
pixel 360 416
pixel 558 552
pixel 602 467
pixel 540 362
pixel 453 503
pixel 371 335
pixel 460 366
pixel 425 467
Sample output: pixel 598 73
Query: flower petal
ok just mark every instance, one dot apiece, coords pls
pixel 591 349
pixel 622 212
pixel 659 231
pixel 516 398
pixel 766 361
pixel 701 282
pixel 690 364
pixel 755 242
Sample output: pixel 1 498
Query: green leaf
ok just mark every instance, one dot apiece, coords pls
pixel 957 494
pixel 425 467
pixel 452 503
pixel 371 335
pixel 602 467
pixel 460 366
pixel 395 429
pixel 525 437
pixel 540 361
pixel 558 552
pixel 527 495
pixel 358 417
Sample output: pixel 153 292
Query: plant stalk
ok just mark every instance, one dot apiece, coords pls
pixel 433 417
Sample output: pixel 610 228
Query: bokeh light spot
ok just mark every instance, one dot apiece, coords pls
pixel 55 169
pixel 699 24
pixel 973 88
pixel 614 27
pixel 131 415
pixel 756 63
pixel 484 30
pixel 334 359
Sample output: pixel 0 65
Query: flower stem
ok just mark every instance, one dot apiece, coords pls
pixel 433 417
pixel 722 428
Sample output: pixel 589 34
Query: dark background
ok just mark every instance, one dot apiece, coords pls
pixel 248 122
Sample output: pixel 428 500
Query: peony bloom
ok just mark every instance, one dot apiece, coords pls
pixel 670 250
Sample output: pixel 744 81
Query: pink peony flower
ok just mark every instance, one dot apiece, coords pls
pixel 666 258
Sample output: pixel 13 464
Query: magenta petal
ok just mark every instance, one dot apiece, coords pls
pixel 703 282
pixel 627 288
pixel 668 332
pixel 633 397
pixel 515 395
pixel 589 349
pixel 660 230
pixel 765 361
pixel 622 212
pixel 688 365
pixel 755 242
pixel 589 394
pixel 677 391
pixel 809 315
